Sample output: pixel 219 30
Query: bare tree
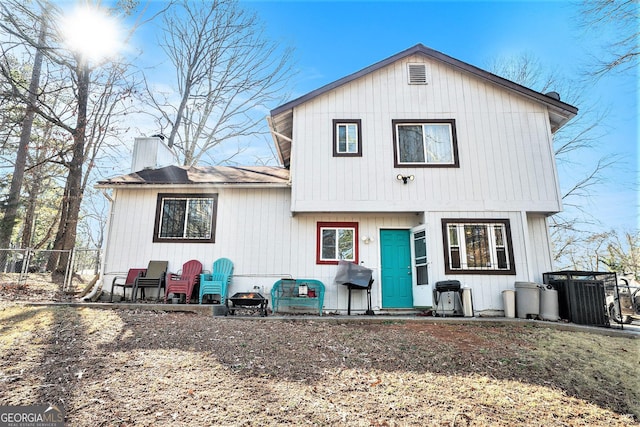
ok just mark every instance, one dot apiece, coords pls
pixel 616 22
pixel 11 114
pixel 92 92
pixel 226 72
pixel 41 189
pixel 623 254
pixel 571 230
pixel 580 135
pixel 617 253
pixel 11 207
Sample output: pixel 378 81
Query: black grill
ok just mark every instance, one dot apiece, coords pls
pixel 448 286
pixel 357 277
pixel 448 298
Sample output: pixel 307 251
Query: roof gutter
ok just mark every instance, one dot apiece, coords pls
pixel 93 294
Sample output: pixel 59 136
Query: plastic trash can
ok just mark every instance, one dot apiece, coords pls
pixel 467 302
pixel 509 302
pixel 527 300
pixel 549 307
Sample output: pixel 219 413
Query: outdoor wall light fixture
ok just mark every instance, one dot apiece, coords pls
pixel 404 178
pixel 367 239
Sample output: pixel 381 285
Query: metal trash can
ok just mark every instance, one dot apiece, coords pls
pixel 509 302
pixel 527 300
pixel 549 309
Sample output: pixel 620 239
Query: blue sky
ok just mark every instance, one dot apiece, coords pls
pixel 334 39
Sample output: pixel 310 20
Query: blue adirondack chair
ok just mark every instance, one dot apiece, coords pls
pixel 217 282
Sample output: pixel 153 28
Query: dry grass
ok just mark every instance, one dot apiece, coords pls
pixel 41 287
pixel 135 367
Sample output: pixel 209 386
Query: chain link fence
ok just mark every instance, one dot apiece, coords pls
pixel 21 266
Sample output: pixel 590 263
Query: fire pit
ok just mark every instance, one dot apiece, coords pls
pixel 248 301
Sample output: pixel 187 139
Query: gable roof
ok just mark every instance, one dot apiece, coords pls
pixel 281 119
pixel 204 175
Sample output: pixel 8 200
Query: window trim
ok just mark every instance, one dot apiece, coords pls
pixel 509 243
pixel 336 225
pixel 336 123
pixel 156 227
pixel 454 143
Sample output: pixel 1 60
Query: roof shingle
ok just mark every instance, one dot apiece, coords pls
pixel 172 175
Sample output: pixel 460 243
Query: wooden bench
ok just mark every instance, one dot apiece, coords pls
pixel 291 293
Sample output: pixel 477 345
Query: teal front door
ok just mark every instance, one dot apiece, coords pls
pixel 396 269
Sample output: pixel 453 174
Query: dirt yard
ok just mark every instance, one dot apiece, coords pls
pixel 150 368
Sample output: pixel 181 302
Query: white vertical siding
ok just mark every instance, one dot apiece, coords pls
pixel 254 229
pixel 504 145
pixel 257 232
pixel 507 171
pixel 487 289
pixel 540 256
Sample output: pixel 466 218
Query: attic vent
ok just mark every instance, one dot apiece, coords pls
pixel 417 74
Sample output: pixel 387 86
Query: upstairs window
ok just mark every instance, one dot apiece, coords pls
pixel 477 246
pixel 184 218
pixel 336 241
pixel 347 139
pixel 422 143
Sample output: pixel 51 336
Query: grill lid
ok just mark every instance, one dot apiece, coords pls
pixel 448 286
pixel 350 274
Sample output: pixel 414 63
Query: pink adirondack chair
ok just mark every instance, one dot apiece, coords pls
pixel 184 281
pixel 126 282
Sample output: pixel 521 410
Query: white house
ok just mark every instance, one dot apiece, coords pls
pixel 420 167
